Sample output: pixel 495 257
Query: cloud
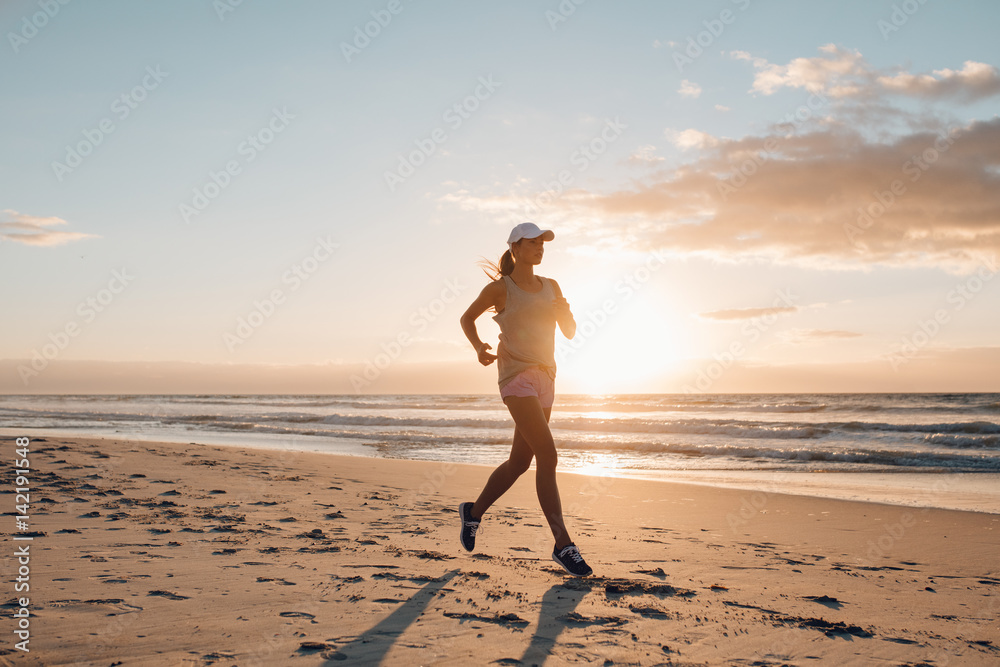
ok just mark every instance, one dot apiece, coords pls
pixel 840 73
pixel 845 74
pixel 689 89
pixel 735 314
pixel 823 199
pixel 691 138
pixel 720 107
pixel 644 156
pixel 850 184
pixel 974 81
pixel 33 230
pixel 807 336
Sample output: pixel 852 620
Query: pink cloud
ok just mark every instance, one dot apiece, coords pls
pixel 842 73
pixel 34 230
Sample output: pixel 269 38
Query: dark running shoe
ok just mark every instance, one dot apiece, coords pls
pixel 571 560
pixel 469 526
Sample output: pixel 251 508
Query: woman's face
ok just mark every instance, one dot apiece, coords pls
pixel 529 250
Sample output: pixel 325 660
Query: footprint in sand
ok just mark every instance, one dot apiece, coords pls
pixel 573 618
pixel 315 533
pixel 277 581
pixel 311 647
pixel 650 612
pixel 825 600
pixel 658 573
pixel 218 655
pixel 169 595
pixel 508 620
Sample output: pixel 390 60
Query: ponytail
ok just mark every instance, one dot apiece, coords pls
pixel 506 263
pixel 496 271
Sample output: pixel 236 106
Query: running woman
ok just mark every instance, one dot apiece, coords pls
pixel 528 307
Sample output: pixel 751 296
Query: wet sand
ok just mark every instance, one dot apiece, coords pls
pixel 165 554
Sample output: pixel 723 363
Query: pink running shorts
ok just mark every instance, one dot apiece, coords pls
pixel 532 382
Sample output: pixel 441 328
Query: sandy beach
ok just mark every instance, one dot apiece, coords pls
pixel 163 554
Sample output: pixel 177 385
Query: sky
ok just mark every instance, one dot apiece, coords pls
pixel 292 197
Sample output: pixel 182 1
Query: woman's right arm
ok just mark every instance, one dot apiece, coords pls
pixel 487 298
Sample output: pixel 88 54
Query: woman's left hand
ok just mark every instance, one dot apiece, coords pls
pixel 561 306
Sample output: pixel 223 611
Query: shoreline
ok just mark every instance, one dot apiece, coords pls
pixel 964 491
pixel 164 553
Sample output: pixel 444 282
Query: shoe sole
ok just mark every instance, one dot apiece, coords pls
pixel 560 564
pixel 461 524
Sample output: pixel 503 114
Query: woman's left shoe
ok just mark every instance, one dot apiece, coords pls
pixel 570 559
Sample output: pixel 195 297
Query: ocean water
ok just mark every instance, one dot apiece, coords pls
pixel 621 434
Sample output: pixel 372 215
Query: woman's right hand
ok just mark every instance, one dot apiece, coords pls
pixel 485 358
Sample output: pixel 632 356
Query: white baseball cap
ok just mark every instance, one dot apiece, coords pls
pixel 528 230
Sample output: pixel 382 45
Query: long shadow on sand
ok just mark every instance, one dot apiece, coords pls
pixel 370 648
pixel 558 604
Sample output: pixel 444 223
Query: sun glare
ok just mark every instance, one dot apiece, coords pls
pixel 634 349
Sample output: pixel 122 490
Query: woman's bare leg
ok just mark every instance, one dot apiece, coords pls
pixel 533 424
pixel 506 473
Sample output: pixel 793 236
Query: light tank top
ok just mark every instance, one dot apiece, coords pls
pixel 527 331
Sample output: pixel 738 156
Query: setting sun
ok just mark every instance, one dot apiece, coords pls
pixel 625 348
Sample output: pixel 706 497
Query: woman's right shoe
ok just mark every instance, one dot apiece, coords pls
pixel 469 526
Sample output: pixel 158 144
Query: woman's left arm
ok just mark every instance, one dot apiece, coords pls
pixel 564 316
